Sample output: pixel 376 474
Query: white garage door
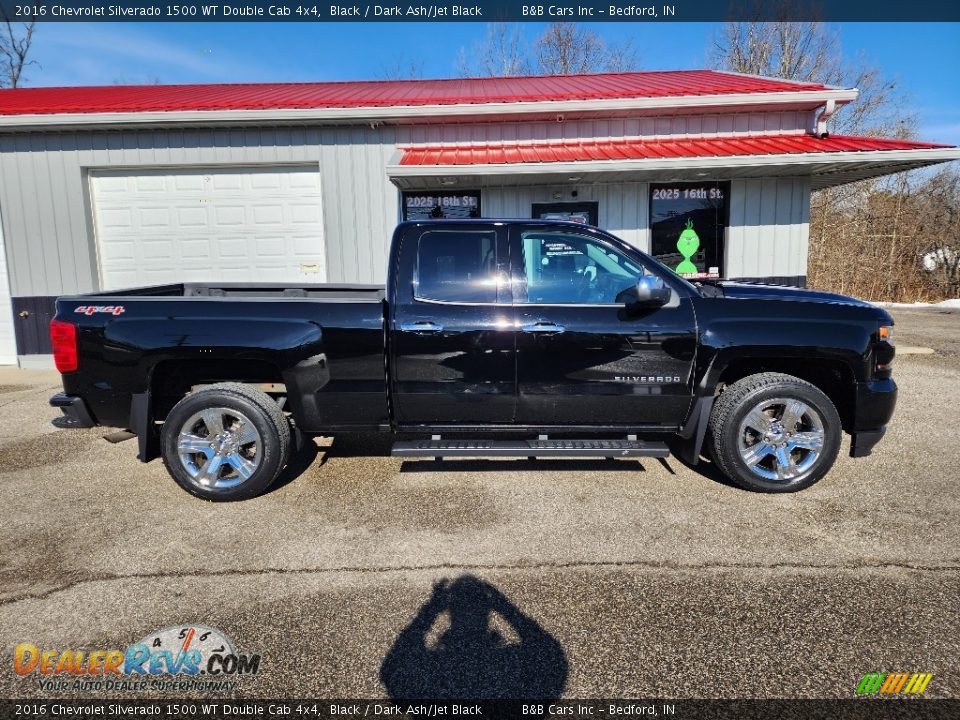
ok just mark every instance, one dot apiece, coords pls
pixel 208 225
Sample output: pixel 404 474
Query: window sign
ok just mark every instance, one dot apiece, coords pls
pixel 561 268
pixel 584 213
pixel 428 204
pixel 687 225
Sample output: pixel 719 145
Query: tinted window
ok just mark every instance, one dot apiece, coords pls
pixel 562 268
pixel 457 267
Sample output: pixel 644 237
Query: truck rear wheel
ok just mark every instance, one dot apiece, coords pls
pixel 226 442
pixel 774 433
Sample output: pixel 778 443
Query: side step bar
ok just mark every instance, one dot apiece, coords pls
pixel 529 448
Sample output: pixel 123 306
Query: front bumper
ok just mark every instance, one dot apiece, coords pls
pixel 874 404
pixel 75 412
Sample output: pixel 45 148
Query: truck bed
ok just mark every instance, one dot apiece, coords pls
pixel 255 291
pixel 325 340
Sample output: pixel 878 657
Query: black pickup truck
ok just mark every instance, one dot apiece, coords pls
pixel 513 338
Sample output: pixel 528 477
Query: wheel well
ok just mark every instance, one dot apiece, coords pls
pixel 172 379
pixel 833 378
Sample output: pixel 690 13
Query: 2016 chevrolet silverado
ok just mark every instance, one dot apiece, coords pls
pixel 514 338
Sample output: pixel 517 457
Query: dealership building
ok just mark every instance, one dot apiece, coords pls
pixel 110 187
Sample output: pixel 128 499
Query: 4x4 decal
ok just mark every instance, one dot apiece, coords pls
pixel 106 309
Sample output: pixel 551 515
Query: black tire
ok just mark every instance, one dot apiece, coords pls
pixel 271 450
pixel 733 442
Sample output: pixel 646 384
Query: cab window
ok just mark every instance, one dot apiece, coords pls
pixel 457 267
pixel 563 268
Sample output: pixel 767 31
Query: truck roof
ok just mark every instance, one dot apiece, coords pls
pixel 491 221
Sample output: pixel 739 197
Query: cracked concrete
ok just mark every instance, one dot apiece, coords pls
pixel 653 578
pixel 667 567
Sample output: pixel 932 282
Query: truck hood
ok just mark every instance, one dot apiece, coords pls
pixel 749 291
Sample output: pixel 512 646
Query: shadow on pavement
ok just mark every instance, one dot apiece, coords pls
pixel 300 461
pixel 469 642
pixel 705 468
pixel 359 445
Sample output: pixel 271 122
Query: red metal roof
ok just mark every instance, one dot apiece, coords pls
pixel 386 93
pixel 636 149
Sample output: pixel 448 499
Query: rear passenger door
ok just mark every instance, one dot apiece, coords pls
pixel 452 331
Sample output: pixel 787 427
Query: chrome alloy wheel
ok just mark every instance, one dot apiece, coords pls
pixel 219 448
pixel 781 439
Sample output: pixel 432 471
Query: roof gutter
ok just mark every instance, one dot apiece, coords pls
pixel 548 108
pixel 932 155
pixel 828 110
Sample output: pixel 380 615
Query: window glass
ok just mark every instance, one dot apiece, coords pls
pixel 562 268
pixel 457 266
pixel 424 205
pixel 687 226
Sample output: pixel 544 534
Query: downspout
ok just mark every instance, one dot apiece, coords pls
pixel 828 110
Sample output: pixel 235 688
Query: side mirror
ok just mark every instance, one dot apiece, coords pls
pixel 651 292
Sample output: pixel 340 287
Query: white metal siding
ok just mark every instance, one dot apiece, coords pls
pixel 769 228
pixel 678 126
pixel 8 343
pixel 45 193
pixel 203 224
pixel 623 207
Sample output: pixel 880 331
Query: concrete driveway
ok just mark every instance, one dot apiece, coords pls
pixel 607 578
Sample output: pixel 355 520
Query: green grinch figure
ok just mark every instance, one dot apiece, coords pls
pixel 687 244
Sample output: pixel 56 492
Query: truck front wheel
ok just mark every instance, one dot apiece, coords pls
pixel 774 433
pixel 226 442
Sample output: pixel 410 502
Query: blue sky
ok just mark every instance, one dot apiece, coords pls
pixel 922 56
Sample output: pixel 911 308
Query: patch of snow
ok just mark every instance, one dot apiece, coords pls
pixel 948 304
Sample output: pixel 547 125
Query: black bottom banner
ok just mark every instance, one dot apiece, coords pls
pixel 855 709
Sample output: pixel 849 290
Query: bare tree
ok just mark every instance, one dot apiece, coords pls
pixel 562 49
pixel 566 48
pixel 866 238
pixel 401 69
pixel 16 38
pixel 811 52
pixel 808 52
pixel 502 52
pixel 148 80
pixel 622 57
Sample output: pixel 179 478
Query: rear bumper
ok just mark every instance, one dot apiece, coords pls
pixel 875 402
pixel 74 409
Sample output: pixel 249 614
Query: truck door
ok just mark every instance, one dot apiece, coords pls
pixel 582 358
pixel 452 331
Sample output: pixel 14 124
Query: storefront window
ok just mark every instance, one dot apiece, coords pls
pixel 687 225
pixel 429 204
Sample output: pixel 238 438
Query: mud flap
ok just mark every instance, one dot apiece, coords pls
pixel 695 430
pixel 141 423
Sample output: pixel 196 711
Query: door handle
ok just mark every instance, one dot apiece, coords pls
pixel 421 326
pixel 542 326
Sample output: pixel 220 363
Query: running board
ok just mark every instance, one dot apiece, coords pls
pixel 529 448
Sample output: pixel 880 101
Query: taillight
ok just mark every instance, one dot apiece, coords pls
pixel 63 338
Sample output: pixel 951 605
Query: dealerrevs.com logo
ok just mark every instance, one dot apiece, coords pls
pixel 176 658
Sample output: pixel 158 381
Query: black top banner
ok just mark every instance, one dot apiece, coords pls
pixel 482 11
